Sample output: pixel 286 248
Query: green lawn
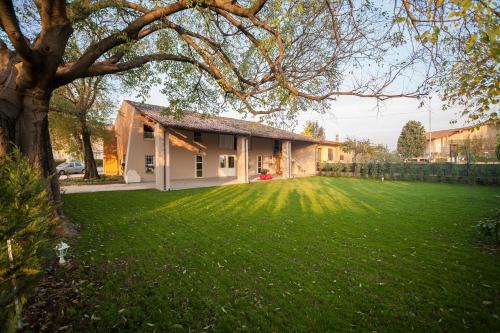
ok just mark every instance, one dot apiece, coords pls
pixel 311 254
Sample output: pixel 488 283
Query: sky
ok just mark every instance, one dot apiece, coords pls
pixel 361 117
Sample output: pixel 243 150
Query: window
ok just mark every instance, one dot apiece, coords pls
pixel 453 150
pixel 259 164
pixel 330 154
pixel 230 162
pixel 341 157
pixel 197 136
pixel 222 161
pixel 235 143
pixel 318 155
pixel 148 132
pixel 226 141
pixel 199 166
pixel 149 163
pixel 277 147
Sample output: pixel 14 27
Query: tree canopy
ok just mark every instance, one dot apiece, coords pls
pixel 257 56
pixel 411 141
pixel 253 56
pixel 462 40
pixel 81 114
pixel 313 129
pixel 361 149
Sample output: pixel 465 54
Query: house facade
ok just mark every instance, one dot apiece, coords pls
pixel 331 152
pixel 196 150
pixel 450 145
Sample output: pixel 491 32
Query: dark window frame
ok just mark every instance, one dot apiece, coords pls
pixel 148 132
pixel 197 137
pixel 149 167
pixel 198 166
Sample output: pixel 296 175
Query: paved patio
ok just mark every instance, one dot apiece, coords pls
pixel 175 185
pixel 106 187
pixel 180 184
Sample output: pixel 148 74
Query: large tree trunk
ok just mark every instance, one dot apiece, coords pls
pixel 34 140
pixel 88 153
pixel 27 77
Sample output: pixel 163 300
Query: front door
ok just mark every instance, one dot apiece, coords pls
pixel 227 165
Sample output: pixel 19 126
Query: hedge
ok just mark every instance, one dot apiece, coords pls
pixel 441 172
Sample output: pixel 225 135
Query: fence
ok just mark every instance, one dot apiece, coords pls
pixel 440 172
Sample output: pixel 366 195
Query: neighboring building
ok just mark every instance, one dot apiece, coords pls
pixel 97 148
pixel 331 152
pixel 110 163
pixel 197 150
pixel 451 145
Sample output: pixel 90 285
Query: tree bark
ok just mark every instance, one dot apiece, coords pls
pixel 34 141
pixel 88 153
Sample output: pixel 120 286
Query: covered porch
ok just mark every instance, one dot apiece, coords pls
pixel 184 159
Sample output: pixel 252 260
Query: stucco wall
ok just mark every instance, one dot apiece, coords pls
pixel 129 127
pixel 140 147
pixel 337 153
pixel 122 126
pixel 303 158
pixel 263 147
pixel 183 150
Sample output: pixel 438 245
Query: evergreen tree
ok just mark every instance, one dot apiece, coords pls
pixel 25 219
pixel 411 142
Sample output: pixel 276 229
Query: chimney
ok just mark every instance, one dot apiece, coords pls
pixel 337 137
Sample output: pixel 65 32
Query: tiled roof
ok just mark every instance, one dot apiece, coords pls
pixel 199 122
pixel 330 143
pixel 442 133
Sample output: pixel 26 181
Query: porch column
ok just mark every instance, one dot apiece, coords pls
pixel 286 158
pixel 162 158
pixel 242 159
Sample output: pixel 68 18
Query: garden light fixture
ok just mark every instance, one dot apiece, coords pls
pixel 61 250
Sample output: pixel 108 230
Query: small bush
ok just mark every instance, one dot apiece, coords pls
pixel 25 219
pixel 357 169
pixel 490 227
pixel 455 173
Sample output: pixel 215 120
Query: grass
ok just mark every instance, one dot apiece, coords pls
pixel 311 254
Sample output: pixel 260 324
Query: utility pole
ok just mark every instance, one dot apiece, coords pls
pixel 430 130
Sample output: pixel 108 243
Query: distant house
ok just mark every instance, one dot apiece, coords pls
pixel 65 155
pixel 331 152
pixel 450 144
pixel 199 150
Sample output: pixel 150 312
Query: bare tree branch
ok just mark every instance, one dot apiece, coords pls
pixel 10 25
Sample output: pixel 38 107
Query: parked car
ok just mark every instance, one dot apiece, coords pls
pixel 68 168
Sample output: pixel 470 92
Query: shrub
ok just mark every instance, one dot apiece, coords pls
pixel 364 170
pixel 426 171
pixel 473 173
pixel 357 169
pixel 25 219
pixel 375 170
pixel 455 172
pixel 402 169
pixel 440 171
pixel 490 227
